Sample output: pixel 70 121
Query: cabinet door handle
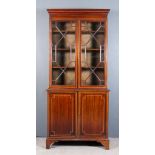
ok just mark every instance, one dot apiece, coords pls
pixel 101 53
pixel 55 55
pixel 85 53
pixel 70 53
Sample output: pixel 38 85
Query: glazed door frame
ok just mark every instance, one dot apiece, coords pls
pixel 52 19
pixel 104 20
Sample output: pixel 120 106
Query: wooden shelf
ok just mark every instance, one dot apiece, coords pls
pixel 62 67
pixel 93 67
pixel 73 32
pixel 92 49
pixel 65 49
pixel 63 31
pixel 88 32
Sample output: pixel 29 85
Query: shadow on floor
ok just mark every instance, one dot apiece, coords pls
pixel 77 143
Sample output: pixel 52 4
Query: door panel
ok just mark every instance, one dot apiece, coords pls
pixel 63 53
pixel 62 113
pixel 92 113
pixel 92 54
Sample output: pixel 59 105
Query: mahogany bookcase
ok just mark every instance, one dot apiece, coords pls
pixel 78 97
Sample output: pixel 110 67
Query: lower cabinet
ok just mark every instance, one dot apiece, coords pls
pixel 78 116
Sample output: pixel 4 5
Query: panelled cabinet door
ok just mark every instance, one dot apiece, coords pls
pixel 92 112
pixel 62 114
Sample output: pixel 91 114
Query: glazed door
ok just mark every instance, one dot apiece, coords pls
pixel 92 111
pixel 62 114
pixel 92 54
pixel 63 64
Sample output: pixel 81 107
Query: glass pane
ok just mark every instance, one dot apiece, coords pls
pixel 92 53
pixel 63 53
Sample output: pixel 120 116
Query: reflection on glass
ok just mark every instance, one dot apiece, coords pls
pixel 92 53
pixel 63 53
